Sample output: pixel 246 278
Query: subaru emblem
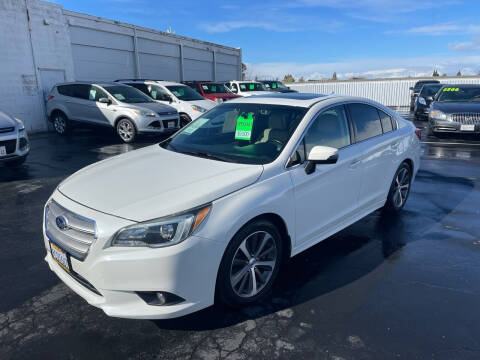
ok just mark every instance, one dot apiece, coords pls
pixel 61 222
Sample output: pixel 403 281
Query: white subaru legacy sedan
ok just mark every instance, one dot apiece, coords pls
pixel 213 211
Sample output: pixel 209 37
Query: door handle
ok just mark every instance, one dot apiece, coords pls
pixel 355 163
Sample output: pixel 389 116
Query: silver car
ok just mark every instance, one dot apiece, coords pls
pixel 14 145
pixel 116 105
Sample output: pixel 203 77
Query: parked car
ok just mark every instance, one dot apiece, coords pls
pixel 247 88
pixel 424 99
pixel 14 145
pixel 455 109
pixel 115 105
pixel 277 86
pixel 416 89
pixel 189 104
pixel 215 91
pixel 226 201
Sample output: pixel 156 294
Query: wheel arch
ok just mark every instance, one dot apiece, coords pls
pixel 56 111
pixel 120 117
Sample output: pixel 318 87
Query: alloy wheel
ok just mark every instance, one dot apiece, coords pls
pixel 253 264
pixel 401 187
pixel 125 130
pixel 59 124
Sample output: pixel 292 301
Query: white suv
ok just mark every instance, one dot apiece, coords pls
pixel 14 145
pixel 189 103
pixel 247 88
pixel 116 105
pixel 225 201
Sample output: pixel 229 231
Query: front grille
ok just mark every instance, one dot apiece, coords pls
pixel 466 118
pixel 7 129
pixel 167 113
pixel 10 145
pixel 78 235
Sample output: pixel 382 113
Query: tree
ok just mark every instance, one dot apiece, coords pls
pixel 435 73
pixel 459 73
pixel 244 71
pixel 334 76
pixel 288 78
pixel 301 79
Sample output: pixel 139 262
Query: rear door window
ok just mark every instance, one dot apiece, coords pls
pixel 81 91
pixel 366 121
pixel 387 121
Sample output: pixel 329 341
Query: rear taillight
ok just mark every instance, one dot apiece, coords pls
pixel 418 132
pixel 50 97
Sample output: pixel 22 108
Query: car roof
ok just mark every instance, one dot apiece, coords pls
pixel 143 81
pixel 289 99
pixel 245 81
pixel 102 83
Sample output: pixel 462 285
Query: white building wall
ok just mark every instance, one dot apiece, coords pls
pixel 395 93
pixel 42 44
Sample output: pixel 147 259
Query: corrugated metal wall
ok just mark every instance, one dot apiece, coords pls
pixel 107 50
pixel 394 93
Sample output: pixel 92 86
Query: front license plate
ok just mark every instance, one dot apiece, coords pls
pixel 3 151
pixel 171 124
pixel 467 127
pixel 59 256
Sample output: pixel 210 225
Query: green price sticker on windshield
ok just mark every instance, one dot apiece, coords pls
pixel 451 89
pixel 243 130
pixel 252 86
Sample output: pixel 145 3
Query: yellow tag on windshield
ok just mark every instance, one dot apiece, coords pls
pixel 451 89
pixel 243 130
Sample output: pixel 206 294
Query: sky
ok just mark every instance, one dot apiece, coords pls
pixel 314 38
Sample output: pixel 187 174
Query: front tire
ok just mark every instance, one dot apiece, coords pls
pixel 61 123
pixel 184 120
pixel 399 190
pixel 126 130
pixel 250 264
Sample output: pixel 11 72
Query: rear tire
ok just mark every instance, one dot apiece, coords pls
pixel 60 123
pixel 126 130
pixel 399 189
pixel 250 264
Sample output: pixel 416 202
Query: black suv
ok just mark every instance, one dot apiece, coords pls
pixel 277 86
pixel 424 99
pixel 416 89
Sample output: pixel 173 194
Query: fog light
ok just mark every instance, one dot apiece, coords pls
pixel 23 143
pixel 159 298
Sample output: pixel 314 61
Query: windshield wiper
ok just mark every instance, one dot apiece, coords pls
pixel 205 155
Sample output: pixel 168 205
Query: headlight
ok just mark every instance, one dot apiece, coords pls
pixel 145 113
pixel 199 108
pixel 21 126
pixel 422 101
pixel 166 231
pixel 439 115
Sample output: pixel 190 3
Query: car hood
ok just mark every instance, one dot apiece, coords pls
pixel 154 106
pixel 251 93
pixel 457 107
pixel 153 182
pixel 206 104
pixel 6 120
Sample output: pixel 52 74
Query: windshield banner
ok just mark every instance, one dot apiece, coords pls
pixel 243 130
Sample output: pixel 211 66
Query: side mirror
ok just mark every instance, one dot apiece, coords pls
pixel 320 155
pixel 105 101
pixel 430 98
pixel 234 90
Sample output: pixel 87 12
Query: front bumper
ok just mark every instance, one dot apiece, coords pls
pixel 188 270
pixel 16 144
pixel 451 127
pixel 158 125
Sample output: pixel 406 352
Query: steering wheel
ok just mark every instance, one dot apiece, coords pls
pixel 277 142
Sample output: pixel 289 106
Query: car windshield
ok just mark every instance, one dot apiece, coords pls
pixel 275 85
pixel 459 94
pixel 214 88
pixel 240 133
pixel 252 87
pixel 128 94
pixel 430 90
pixel 419 84
pixel 185 93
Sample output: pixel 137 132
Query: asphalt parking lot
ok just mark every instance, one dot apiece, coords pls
pixel 384 288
